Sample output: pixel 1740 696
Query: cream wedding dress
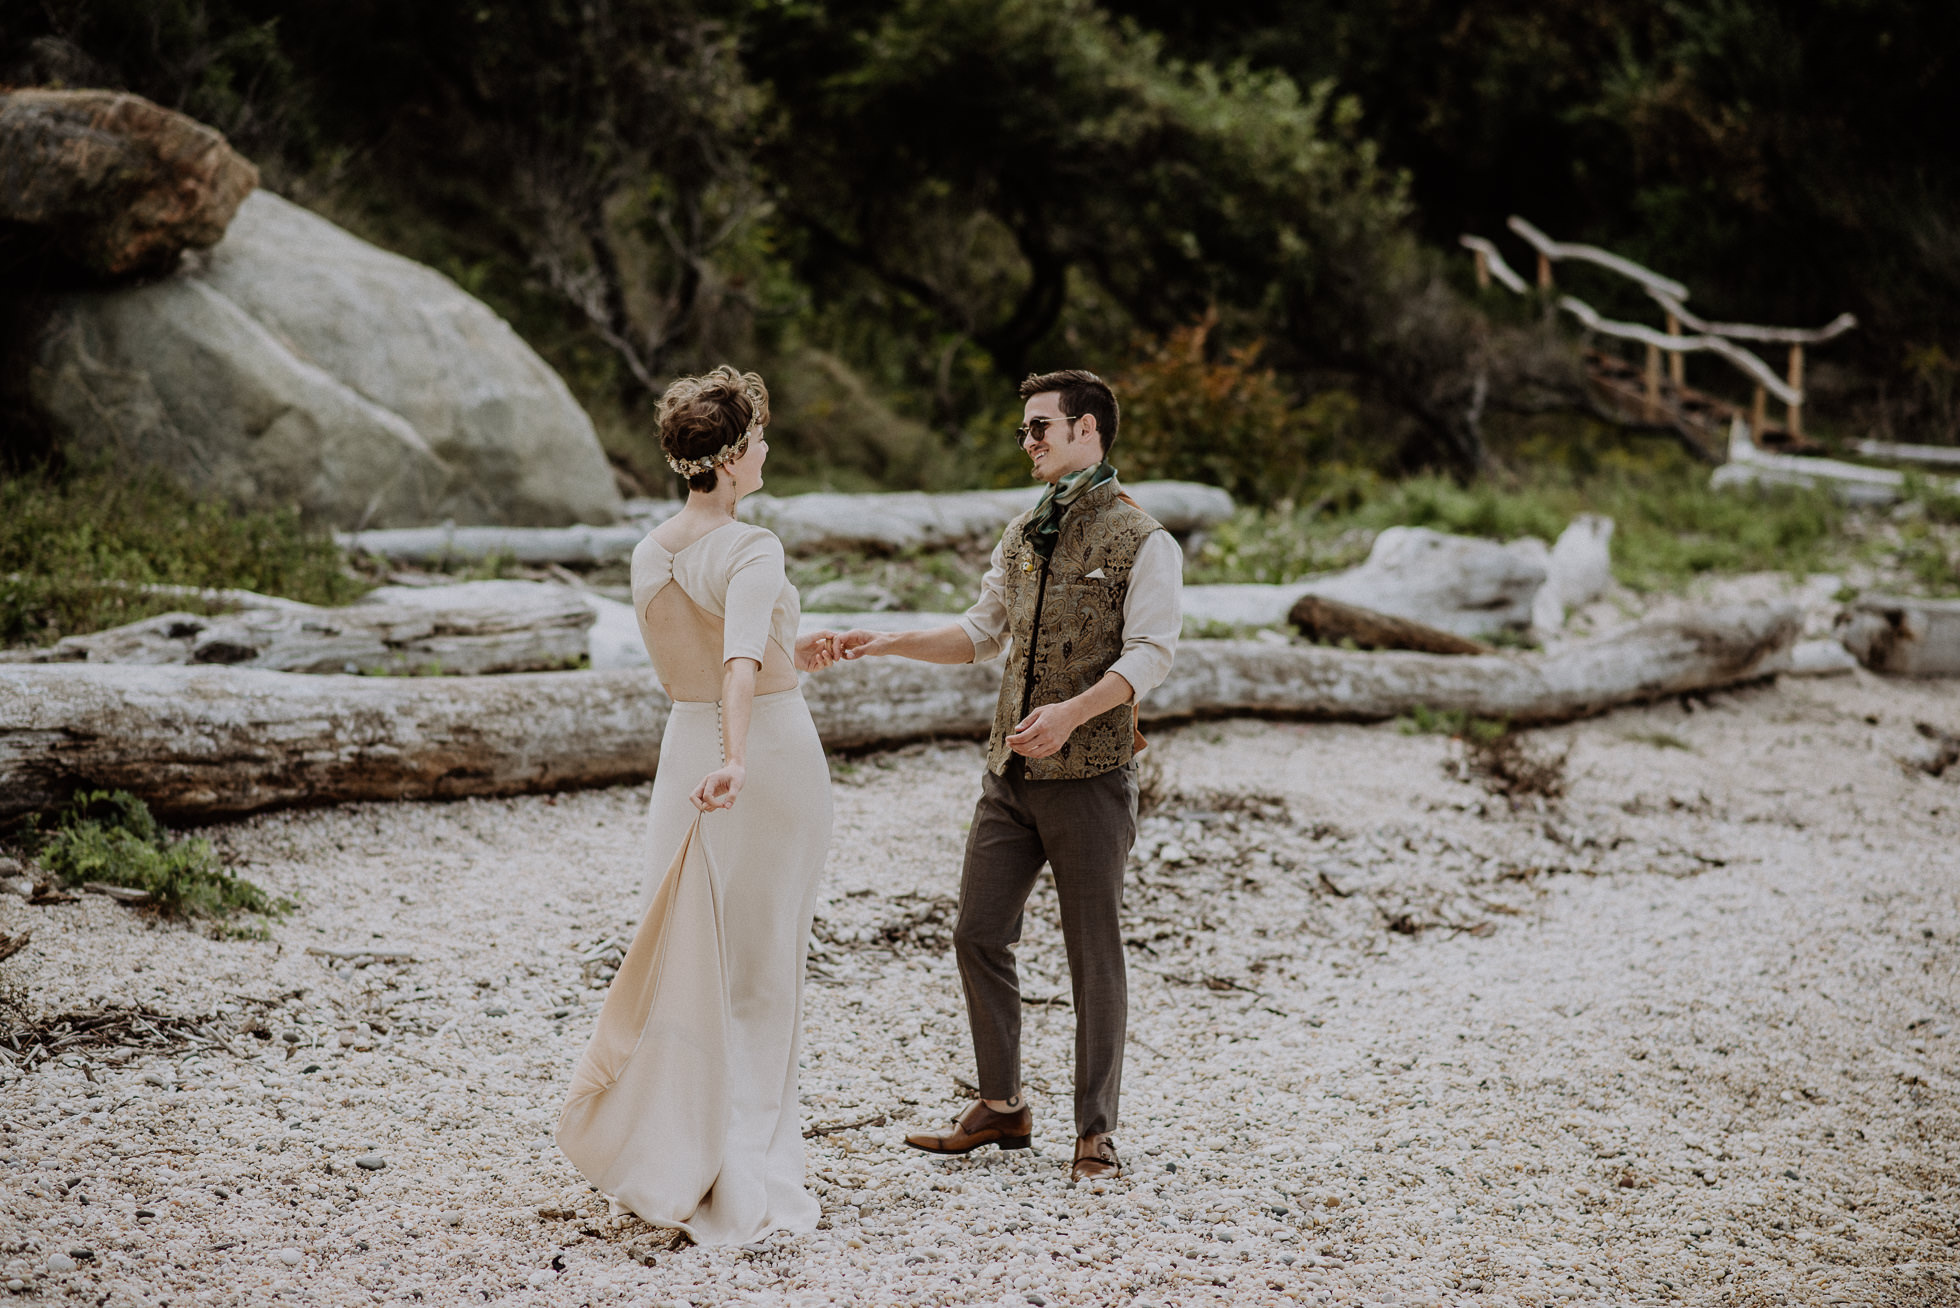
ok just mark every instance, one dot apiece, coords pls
pixel 684 1108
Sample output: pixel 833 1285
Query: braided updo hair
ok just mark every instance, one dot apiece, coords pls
pixel 701 416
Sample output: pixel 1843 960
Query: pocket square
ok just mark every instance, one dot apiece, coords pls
pixel 1094 575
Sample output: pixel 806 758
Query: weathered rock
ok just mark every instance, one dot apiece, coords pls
pixel 296 364
pixel 1904 636
pixel 112 184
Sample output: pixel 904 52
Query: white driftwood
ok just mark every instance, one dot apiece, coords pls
pixel 1904 636
pixel 1742 331
pixel 1461 584
pixel 821 520
pixel 1492 261
pixel 215 741
pixel 1750 465
pixel 1561 250
pixel 1706 648
pixel 1579 571
pixel 208 742
pixel 472 628
pixel 1931 456
pixel 1757 370
pixel 530 545
pixel 1819 658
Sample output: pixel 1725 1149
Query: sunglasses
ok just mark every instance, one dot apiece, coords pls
pixel 1038 427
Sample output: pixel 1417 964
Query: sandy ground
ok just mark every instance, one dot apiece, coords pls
pixel 1684 1037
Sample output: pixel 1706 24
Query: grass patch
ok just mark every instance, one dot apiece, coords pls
pixel 1670 525
pixel 1424 721
pixel 1658 739
pixel 111 837
pixel 75 548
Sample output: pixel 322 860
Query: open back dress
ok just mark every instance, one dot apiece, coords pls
pixel 684 1107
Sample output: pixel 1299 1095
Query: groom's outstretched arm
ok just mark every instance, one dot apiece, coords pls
pixel 975 638
pixel 948 644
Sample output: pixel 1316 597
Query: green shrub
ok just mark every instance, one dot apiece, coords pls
pixel 75 547
pixel 112 837
pixel 1224 421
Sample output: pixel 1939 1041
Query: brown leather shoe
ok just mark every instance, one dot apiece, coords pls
pixel 1095 1160
pixel 979 1125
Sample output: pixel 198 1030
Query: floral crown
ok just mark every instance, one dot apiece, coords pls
pixel 735 449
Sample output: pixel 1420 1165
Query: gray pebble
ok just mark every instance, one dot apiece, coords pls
pixel 370 1162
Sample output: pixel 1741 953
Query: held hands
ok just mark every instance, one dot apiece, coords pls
pixel 859 643
pixel 818 650
pixel 1045 730
pixel 719 788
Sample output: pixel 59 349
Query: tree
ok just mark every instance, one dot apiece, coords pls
pixel 1787 159
pixel 977 157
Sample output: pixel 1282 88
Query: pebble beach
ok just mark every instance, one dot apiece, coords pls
pixel 1686 1035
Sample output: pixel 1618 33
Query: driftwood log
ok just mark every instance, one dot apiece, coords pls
pixel 469 629
pixel 1461 584
pixel 822 520
pixel 197 742
pixel 211 742
pixel 1330 622
pixel 1902 635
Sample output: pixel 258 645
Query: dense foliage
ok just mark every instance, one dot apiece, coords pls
pixel 77 549
pixel 1787 159
pixel 898 206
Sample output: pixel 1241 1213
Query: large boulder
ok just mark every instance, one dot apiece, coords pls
pixel 296 364
pixel 110 183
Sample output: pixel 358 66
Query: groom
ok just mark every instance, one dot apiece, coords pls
pixel 1086 584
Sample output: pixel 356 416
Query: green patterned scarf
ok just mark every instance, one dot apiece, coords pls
pixel 1045 527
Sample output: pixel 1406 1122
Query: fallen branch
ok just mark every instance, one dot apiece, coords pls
pixel 121 894
pixel 832 1128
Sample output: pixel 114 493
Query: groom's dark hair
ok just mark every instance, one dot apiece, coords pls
pixel 1082 392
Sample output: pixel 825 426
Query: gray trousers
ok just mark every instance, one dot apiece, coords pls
pixel 1083 830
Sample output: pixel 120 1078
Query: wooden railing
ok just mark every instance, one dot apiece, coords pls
pixel 1716 338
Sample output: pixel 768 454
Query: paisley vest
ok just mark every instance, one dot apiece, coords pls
pixel 1066 617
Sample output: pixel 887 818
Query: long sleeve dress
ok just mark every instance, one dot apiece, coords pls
pixel 684 1107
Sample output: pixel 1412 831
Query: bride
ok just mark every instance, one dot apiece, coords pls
pixel 684 1107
